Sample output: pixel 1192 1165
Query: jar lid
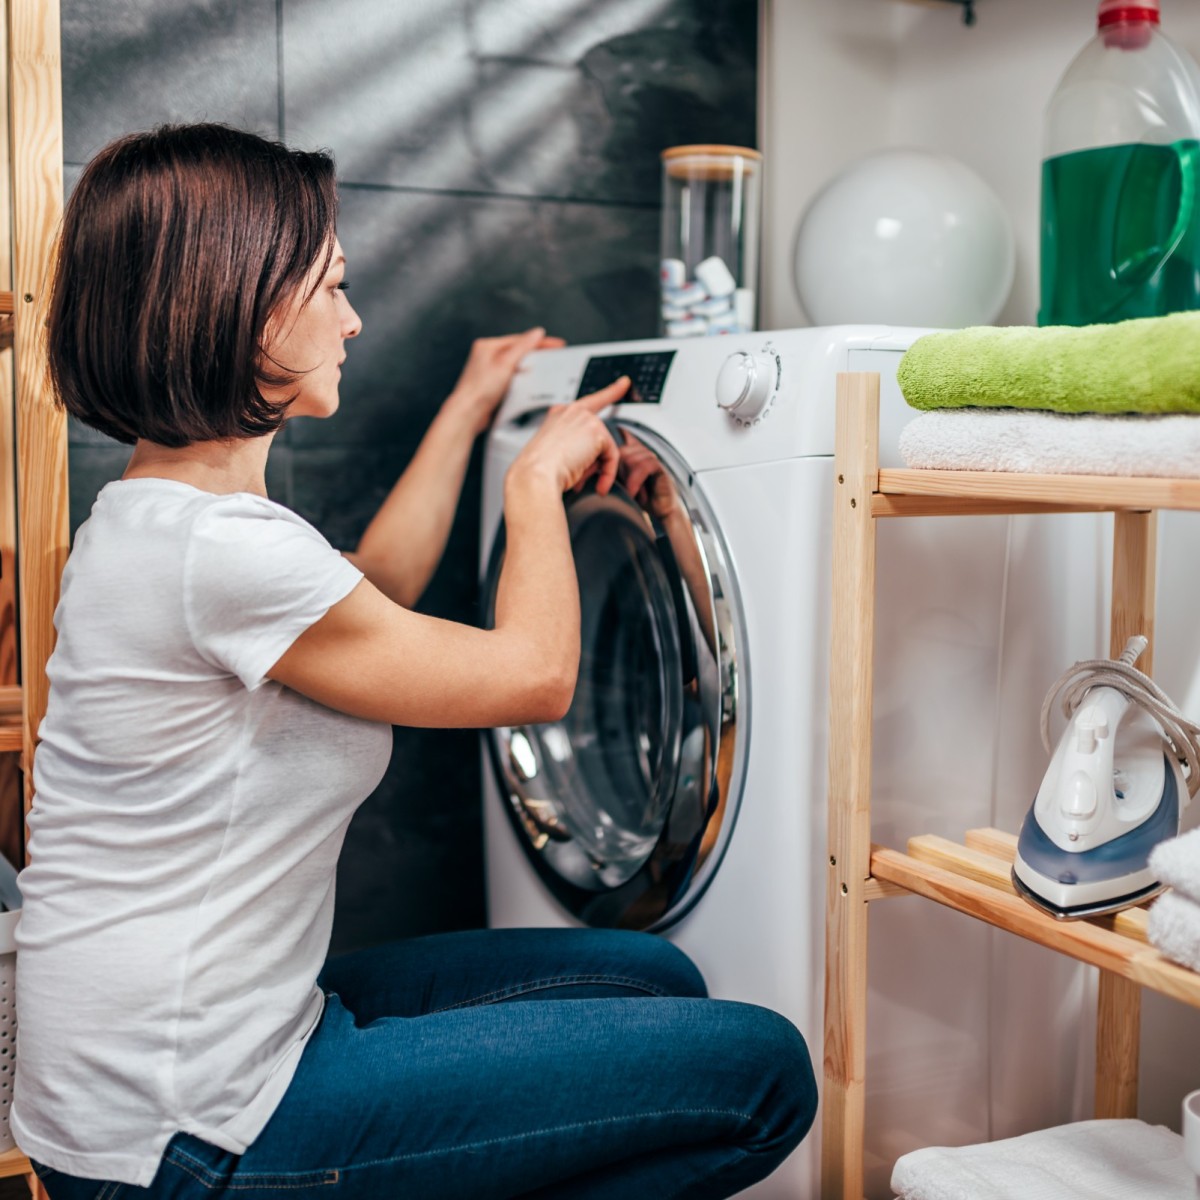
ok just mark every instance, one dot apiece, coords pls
pixel 710 162
pixel 711 151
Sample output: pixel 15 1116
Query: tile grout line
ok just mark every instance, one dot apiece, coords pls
pixel 475 194
pixel 469 194
pixel 279 66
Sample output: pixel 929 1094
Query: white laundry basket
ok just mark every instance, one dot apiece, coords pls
pixel 8 1020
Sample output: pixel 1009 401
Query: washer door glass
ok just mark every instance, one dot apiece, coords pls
pixel 622 803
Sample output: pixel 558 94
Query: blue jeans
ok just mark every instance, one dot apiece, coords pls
pixel 432 1076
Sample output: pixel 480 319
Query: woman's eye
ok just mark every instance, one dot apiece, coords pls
pixel 344 286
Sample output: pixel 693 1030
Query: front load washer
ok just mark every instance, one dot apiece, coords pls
pixel 685 790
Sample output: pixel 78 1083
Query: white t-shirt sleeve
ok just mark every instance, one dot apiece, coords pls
pixel 256 576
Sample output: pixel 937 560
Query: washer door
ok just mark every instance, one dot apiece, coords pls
pixel 625 806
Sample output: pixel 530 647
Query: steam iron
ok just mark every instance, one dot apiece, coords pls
pixel 1122 772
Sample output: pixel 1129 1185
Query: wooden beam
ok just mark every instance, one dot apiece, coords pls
pixel 888 504
pixel 12 735
pixel 876 889
pixel 35 99
pixel 1102 492
pixel 1119 1000
pixel 856 466
pixel 1118 1036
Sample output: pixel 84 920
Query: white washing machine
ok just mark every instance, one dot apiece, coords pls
pixel 685 791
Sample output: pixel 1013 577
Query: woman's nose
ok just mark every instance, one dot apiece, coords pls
pixel 352 327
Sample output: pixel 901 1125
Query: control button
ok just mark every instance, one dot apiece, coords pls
pixel 1080 800
pixel 744 384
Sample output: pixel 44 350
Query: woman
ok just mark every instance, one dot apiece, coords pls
pixel 221 695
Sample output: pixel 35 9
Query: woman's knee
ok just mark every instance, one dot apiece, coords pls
pixel 782 1083
pixel 660 963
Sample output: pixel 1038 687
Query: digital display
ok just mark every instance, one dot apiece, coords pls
pixel 647 372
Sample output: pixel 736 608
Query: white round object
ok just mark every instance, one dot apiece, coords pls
pixel 905 237
pixel 744 384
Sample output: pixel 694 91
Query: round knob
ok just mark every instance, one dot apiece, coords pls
pixel 744 384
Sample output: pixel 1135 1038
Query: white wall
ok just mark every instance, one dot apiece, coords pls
pixel 843 77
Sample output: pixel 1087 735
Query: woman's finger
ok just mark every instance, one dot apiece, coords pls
pixel 515 346
pixel 606 464
pixel 598 401
pixel 637 474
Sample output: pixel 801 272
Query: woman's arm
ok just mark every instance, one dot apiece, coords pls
pixel 373 658
pixel 404 542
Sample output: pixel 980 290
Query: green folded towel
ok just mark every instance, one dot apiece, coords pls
pixel 1146 365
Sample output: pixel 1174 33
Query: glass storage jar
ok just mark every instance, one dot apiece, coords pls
pixel 710 217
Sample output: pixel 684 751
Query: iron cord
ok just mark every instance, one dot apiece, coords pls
pixel 1181 733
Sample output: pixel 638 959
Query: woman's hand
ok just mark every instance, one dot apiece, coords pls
pixel 490 367
pixel 573 444
pixel 645 478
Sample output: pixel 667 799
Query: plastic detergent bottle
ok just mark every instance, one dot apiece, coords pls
pixel 1121 176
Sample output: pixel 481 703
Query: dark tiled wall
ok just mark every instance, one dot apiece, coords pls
pixel 499 167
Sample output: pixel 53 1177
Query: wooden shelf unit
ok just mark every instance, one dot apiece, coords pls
pixel 973 878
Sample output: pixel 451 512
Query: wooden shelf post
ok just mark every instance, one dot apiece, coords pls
pixel 1119 1000
pixel 856 467
pixel 31 207
pixel 35 106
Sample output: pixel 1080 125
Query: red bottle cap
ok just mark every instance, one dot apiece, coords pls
pixel 1126 24
pixel 1114 11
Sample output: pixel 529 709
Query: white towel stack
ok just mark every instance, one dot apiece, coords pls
pixel 1174 925
pixel 1009 439
pixel 1090 1160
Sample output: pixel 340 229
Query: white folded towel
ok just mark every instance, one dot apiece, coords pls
pixel 1009 439
pixel 1090 1160
pixel 1174 928
pixel 1177 862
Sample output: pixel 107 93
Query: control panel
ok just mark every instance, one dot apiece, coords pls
pixel 647 372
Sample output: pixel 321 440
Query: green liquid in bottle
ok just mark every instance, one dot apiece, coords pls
pixel 1120 233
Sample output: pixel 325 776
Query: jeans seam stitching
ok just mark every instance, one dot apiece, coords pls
pixel 252 1180
pixel 537 985
pixel 558 1129
pixel 193 1167
pixel 321 1177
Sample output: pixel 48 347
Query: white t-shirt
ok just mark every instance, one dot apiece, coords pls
pixel 188 817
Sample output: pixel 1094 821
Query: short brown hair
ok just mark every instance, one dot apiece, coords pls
pixel 177 246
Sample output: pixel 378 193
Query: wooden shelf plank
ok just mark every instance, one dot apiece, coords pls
pixel 1087 941
pixel 891 504
pixel 1101 492
pixel 12 724
pixel 996 842
pixel 12 734
pixel 876 889
pixel 962 860
pixel 1131 921
pixel 13 1162
pixel 988 857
